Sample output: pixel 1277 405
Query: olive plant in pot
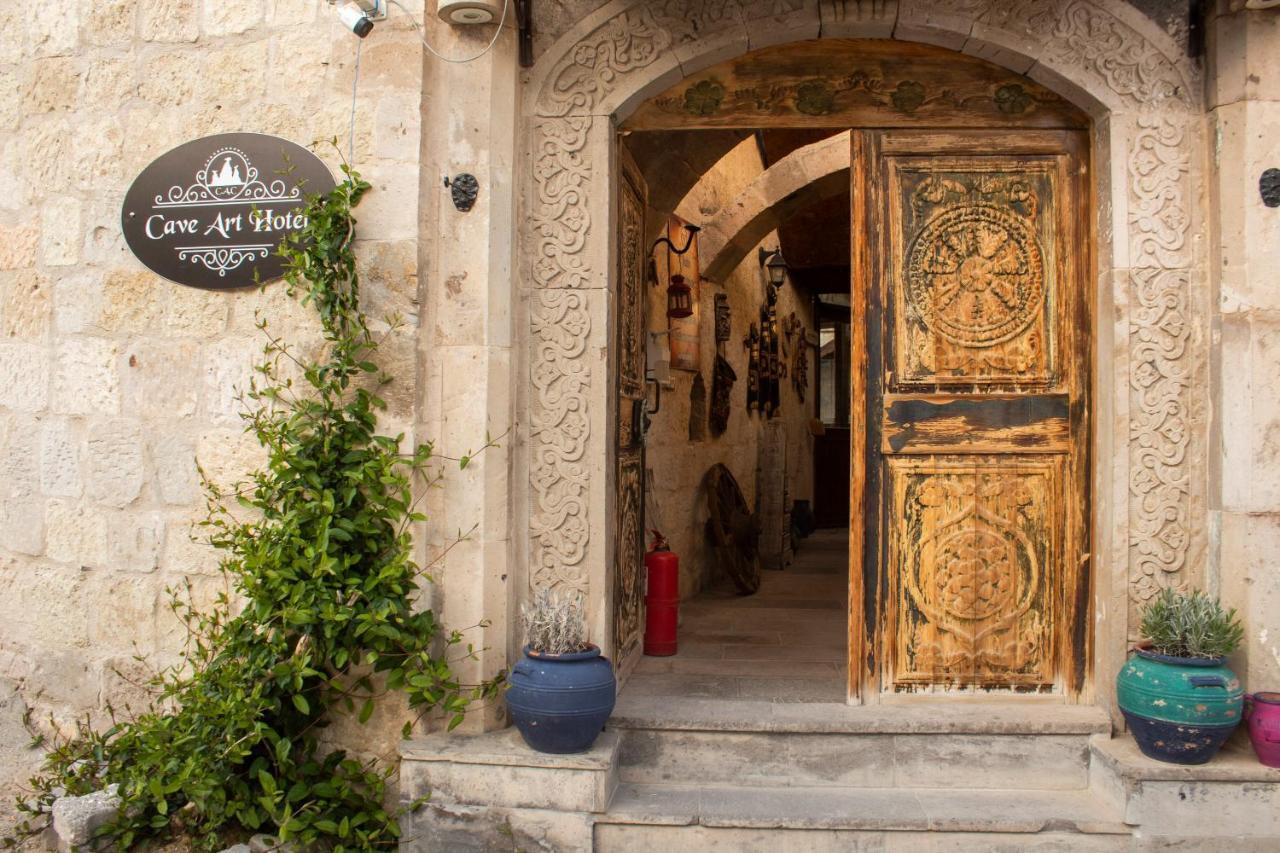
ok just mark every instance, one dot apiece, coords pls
pixel 562 691
pixel 1178 696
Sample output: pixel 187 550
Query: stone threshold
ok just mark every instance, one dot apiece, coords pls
pixel 950 717
pixel 875 809
pixel 1235 763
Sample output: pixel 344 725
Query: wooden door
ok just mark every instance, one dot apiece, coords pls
pixel 629 374
pixel 975 291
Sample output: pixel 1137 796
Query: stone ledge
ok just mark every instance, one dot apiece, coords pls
pixel 1232 793
pixel 673 713
pixel 508 748
pixel 1236 763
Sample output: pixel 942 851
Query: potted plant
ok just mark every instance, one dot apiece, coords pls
pixel 562 691
pixel 1178 696
pixel 1262 710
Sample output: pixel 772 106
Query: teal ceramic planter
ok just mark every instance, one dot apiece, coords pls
pixel 1180 710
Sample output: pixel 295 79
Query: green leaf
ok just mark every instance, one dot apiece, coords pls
pixel 366 711
pixel 300 702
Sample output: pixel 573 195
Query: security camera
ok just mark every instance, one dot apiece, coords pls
pixel 359 15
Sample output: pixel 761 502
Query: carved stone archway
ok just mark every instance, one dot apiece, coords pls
pixel 1150 474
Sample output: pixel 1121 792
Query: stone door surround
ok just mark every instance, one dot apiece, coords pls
pixel 1150 474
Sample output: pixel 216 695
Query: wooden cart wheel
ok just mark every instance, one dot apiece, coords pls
pixel 732 530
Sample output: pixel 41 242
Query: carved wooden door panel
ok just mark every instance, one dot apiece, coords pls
pixel 978 411
pixel 628 569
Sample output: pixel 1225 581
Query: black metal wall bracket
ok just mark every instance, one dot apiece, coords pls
pixel 1269 186
pixel 524 19
pixel 464 188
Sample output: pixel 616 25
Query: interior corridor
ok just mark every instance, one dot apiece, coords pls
pixel 786 643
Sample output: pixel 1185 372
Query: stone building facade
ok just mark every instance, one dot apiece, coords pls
pixel 113 382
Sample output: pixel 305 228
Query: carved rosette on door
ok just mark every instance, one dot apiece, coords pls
pixel 983 424
pixel 975 300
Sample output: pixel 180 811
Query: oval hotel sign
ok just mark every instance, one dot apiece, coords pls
pixel 212 212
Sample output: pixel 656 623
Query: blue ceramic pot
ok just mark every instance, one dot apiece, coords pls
pixel 560 702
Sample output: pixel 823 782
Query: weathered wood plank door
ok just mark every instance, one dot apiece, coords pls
pixel 629 373
pixel 975 495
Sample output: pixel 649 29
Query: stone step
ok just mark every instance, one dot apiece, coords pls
pixel 951 716
pixel 974 746
pixel 682 817
pixel 1040 762
pixel 497 769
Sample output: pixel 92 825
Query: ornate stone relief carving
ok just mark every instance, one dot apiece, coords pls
pixel 1094 40
pixel 1159 162
pixel 595 65
pixel 561 377
pixel 1160 378
pixel 562 180
pixel 558 436
pixel 1162 429
pixel 640 36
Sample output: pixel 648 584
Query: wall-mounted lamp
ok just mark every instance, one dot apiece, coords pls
pixel 679 293
pixel 692 231
pixel 775 265
pixel 469 12
pixel 679 298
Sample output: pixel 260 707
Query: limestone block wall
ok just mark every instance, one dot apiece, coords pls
pixel 1244 113
pixel 679 464
pixel 113 381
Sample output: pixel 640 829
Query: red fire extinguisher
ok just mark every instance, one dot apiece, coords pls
pixel 662 598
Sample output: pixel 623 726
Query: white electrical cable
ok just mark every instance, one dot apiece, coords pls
pixel 423 36
pixel 355 80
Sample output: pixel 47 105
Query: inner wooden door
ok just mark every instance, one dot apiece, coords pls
pixel 973 488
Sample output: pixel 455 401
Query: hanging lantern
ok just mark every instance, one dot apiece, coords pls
pixel 775 265
pixel 679 298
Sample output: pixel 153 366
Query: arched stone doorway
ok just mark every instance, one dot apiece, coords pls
pixel 1148 475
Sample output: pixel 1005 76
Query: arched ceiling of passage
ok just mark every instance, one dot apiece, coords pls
pixel 806 176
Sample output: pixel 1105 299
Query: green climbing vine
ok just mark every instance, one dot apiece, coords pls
pixel 316 545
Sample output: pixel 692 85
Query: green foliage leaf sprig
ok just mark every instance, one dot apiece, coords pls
pixel 1190 625
pixel 317 547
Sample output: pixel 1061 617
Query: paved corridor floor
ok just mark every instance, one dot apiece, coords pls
pixel 786 643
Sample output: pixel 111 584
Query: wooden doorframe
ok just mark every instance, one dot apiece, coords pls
pixel 859 450
pixel 865 610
